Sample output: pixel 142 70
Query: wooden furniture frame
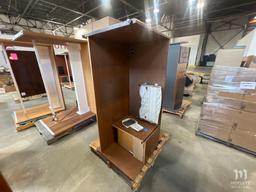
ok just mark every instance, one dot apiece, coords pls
pixel 80 66
pixel 25 117
pixel 70 120
pixel 26 71
pixel 124 56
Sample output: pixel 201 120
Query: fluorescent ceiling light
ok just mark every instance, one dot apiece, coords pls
pixel 191 1
pixel 200 5
pixel 156 10
pixel 106 3
pixel 148 20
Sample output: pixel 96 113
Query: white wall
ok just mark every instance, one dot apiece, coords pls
pixel 223 37
pixel 249 42
pixel 93 26
pixel 2 60
pixel 192 42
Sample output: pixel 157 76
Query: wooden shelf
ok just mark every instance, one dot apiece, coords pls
pixel 124 160
pixel 142 135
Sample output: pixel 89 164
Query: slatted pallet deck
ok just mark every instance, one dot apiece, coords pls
pixel 136 183
pixel 180 112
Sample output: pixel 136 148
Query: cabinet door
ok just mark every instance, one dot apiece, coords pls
pixel 26 71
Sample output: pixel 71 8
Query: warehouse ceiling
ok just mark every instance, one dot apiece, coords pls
pixel 181 13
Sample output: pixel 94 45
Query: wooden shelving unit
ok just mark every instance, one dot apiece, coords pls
pixel 67 121
pixel 124 56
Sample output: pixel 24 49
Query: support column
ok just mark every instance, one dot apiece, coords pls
pixel 205 41
pixel 48 69
pixel 77 69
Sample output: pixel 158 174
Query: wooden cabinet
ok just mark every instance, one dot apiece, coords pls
pixel 139 144
pixel 123 57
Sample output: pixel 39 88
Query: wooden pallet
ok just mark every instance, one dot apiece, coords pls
pixel 198 133
pixel 180 112
pixel 25 125
pixel 45 127
pixel 134 184
pixel 24 120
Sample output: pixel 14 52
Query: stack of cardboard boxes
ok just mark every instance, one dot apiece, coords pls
pixel 6 83
pixel 229 111
pixel 249 62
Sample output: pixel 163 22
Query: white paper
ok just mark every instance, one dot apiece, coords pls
pixel 247 85
pixel 151 100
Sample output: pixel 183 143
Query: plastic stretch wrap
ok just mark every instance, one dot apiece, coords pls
pixel 229 110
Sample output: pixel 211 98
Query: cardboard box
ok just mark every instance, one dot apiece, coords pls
pixel 131 144
pixel 224 117
pixel 229 57
pixel 244 139
pixel 104 22
pixel 99 24
pixel 250 61
pixel 229 111
pixel 141 150
pixel 234 101
pixel 226 124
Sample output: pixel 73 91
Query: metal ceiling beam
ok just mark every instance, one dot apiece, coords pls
pixel 65 8
pixel 131 6
pixel 28 24
pixel 32 7
pixel 9 6
pixel 234 7
pixel 135 13
pixel 24 11
pixel 199 21
pixel 88 12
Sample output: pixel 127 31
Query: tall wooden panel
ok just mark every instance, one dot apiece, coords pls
pixel 26 71
pixel 111 81
pixel 49 72
pixel 77 68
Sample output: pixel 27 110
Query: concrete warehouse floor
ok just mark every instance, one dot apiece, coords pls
pixel 188 163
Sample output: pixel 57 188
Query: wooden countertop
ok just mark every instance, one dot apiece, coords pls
pixel 142 135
